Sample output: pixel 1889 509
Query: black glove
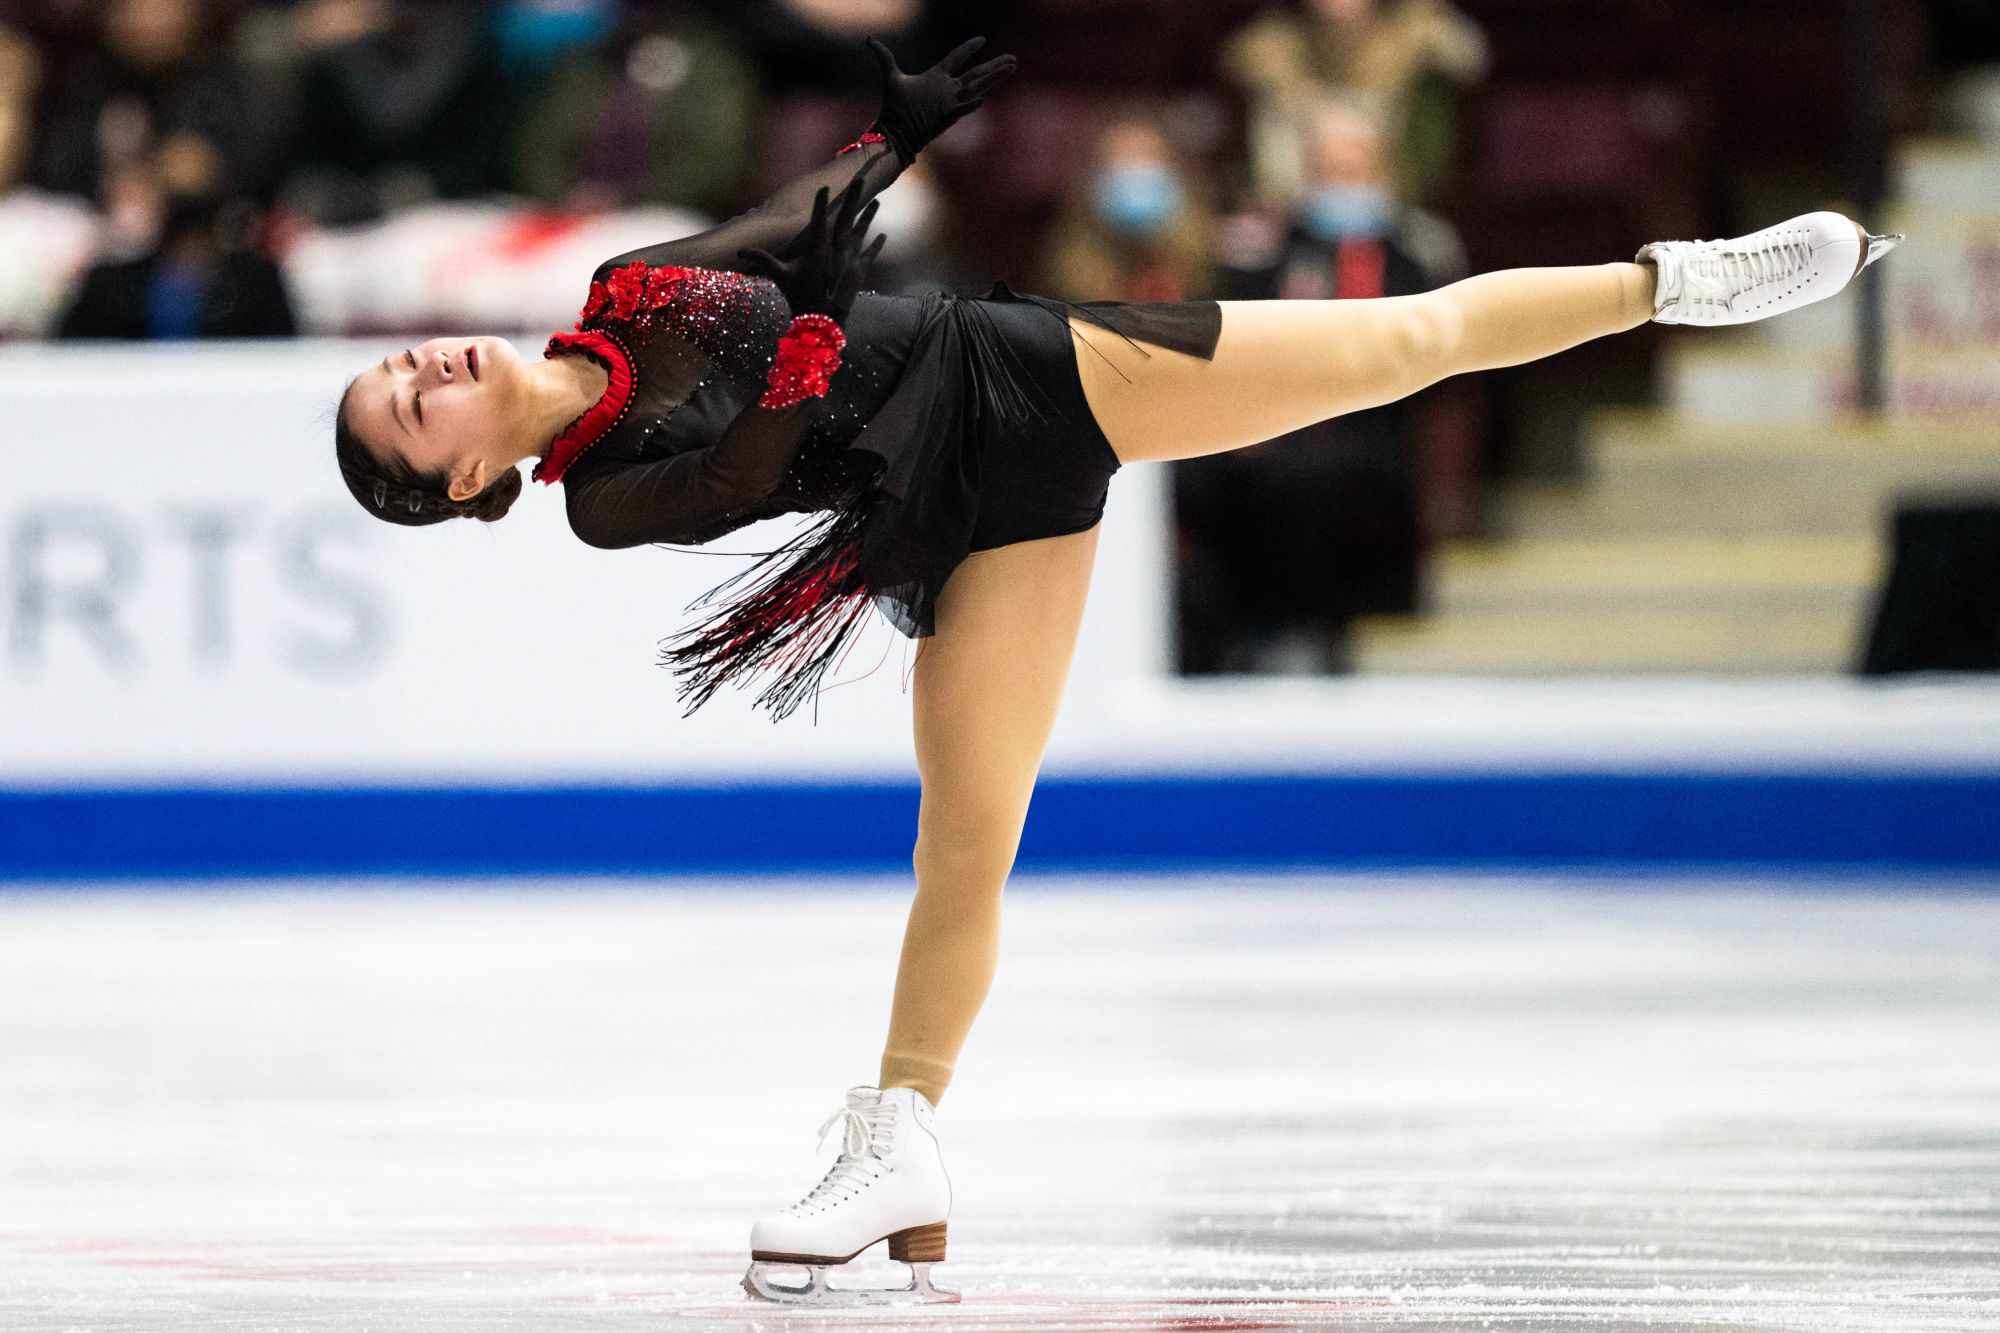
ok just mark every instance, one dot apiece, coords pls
pixel 822 272
pixel 917 108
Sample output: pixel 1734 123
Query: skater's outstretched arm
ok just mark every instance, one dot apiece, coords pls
pixel 916 108
pixel 777 224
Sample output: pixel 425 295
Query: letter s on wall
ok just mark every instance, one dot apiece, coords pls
pixel 303 570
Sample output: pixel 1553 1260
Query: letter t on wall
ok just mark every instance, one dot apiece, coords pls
pixel 210 534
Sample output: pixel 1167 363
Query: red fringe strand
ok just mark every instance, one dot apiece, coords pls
pixel 785 621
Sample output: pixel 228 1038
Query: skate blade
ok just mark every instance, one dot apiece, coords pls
pixel 1879 246
pixel 759 1283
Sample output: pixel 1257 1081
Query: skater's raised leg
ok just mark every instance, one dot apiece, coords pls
pixel 1282 365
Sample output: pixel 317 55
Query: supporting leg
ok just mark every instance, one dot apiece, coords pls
pixel 1282 365
pixel 986 690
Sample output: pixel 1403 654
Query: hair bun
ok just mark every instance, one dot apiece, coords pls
pixel 491 505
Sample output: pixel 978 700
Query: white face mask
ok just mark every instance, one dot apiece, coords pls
pixel 1137 199
pixel 1334 212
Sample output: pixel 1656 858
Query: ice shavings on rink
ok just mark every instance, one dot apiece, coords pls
pixel 1195 1105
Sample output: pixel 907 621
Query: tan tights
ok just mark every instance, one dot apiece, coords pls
pixel 985 692
pixel 988 684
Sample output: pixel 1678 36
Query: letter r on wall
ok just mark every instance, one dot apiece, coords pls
pixel 42 596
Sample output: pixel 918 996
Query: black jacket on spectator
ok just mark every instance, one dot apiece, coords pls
pixel 425 93
pixel 1297 536
pixel 244 298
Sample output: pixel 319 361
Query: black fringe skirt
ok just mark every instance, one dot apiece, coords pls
pixel 987 440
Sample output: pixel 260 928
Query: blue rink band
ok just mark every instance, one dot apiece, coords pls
pixel 1863 821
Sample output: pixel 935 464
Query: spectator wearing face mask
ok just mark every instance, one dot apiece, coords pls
pixel 1283 544
pixel 1140 229
pixel 1348 235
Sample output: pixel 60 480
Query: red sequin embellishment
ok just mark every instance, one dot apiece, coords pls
pixel 808 354
pixel 587 429
pixel 729 316
pixel 872 136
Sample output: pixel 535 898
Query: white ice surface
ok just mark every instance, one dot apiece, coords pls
pixel 1194 1105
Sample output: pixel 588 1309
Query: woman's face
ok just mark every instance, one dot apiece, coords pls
pixel 445 406
pixel 1344 13
pixel 152 34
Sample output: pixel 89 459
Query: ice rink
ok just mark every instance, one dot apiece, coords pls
pixel 1192 1104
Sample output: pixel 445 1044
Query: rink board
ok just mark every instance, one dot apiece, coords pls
pixel 1891 822
pixel 212 662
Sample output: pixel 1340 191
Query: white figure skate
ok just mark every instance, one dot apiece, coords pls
pixel 887 1184
pixel 1760 275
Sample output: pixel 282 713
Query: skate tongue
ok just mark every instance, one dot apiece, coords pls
pixel 1666 263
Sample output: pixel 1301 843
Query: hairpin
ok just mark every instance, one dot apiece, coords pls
pixel 381 495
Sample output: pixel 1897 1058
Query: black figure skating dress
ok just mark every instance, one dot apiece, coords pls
pixel 952 425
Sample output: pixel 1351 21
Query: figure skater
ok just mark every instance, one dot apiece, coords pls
pixel 957 452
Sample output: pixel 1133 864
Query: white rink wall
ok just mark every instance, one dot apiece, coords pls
pixel 191 596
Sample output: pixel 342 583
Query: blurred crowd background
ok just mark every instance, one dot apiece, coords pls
pixel 175 169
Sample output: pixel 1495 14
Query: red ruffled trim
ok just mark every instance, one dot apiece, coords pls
pixel 872 136
pixel 587 429
pixel 630 290
pixel 808 354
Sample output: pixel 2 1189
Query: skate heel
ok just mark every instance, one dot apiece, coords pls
pixel 918 1245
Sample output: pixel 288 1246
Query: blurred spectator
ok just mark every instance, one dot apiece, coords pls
pixel 820 81
pixel 176 260
pixel 1348 234
pixel 816 45
pixel 1140 228
pixel 530 35
pixel 1402 57
pixel 20 81
pixel 161 76
pixel 1283 544
pixel 656 109
pixel 399 101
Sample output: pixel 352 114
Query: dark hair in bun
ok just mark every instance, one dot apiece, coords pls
pixel 393 491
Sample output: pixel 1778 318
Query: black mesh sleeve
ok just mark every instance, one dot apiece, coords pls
pixel 774 224
pixel 693 496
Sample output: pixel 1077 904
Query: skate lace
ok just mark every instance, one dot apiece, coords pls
pixel 866 1137
pixel 1718 270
